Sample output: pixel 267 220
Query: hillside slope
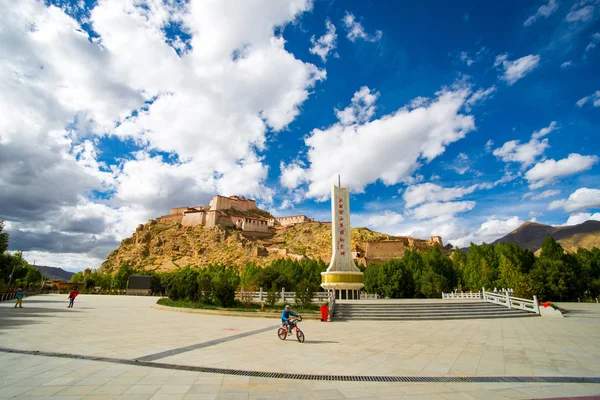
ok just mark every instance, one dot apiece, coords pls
pixel 54 272
pixel 531 235
pixel 163 246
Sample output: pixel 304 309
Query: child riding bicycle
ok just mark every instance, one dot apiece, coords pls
pixel 285 318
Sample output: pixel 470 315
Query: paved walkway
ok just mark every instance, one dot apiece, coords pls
pixel 127 328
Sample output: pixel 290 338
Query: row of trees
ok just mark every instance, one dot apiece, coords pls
pixel 23 274
pixel 553 275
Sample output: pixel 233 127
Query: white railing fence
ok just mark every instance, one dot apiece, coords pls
pixel 282 296
pixel 461 296
pixel 505 299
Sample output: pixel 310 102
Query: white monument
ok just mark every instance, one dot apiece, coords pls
pixel 342 275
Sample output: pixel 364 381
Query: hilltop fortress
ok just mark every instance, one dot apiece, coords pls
pixel 241 214
pixel 232 211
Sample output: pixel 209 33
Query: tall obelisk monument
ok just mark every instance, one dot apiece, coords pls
pixel 342 275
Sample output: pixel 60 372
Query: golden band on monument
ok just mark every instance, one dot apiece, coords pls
pixel 333 277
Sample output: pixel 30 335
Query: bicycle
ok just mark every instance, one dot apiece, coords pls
pixel 286 330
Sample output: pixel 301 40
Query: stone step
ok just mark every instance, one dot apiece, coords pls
pixel 479 307
pixel 416 311
pixel 429 318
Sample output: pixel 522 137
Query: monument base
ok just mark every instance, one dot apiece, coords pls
pixel 346 284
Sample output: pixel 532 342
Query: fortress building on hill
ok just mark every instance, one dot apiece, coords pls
pixel 232 211
pixel 369 252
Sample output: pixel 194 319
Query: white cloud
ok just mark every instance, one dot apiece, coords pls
pixel 361 109
pixel 479 96
pixel 488 146
pixel 390 148
pixel 566 64
pixel 544 195
pixel 492 229
pixel 464 57
pixel 581 14
pixel 545 172
pixel 544 11
pixel 595 40
pixel 292 175
pixel 581 199
pixel 356 31
pixel 386 221
pixel 579 218
pixel 593 98
pixel 461 164
pixel 441 211
pixel 208 106
pixel 326 43
pixel 512 71
pixel 430 192
pixel 526 153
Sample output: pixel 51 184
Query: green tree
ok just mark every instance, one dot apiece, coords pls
pixel 205 287
pixel 121 278
pixel 185 285
pixel 77 277
pixel 396 280
pixel 249 276
pixel 225 281
pixel 305 292
pixel 552 250
pixel 3 239
pixel 272 296
pixel 459 262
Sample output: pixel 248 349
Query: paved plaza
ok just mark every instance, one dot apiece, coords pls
pixel 120 329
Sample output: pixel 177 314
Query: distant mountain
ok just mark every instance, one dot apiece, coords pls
pixel 531 235
pixel 54 272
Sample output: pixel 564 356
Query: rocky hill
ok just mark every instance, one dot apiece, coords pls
pixel 167 245
pixel 531 235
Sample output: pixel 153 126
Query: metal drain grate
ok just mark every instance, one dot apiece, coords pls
pixel 350 378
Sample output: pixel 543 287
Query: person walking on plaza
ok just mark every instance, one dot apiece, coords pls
pixel 72 296
pixel 20 294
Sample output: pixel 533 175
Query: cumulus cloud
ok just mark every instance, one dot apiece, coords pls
pixel 547 171
pixel 512 71
pixel 361 109
pixel 356 31
pixel 206 102
pixel 581 199
pixel 326 43
pixel 430 192
pixel 393 146
pixel 490 230
pixel 544 11
pixel 593 98
pixel 479 96
pixel 525 153
pixel 579 218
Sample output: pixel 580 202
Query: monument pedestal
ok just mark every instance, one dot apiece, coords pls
pixel 346 284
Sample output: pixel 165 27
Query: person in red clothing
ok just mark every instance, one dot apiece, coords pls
pixel 72 296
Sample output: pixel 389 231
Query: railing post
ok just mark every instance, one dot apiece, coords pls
pixel 507 300
pixel 536 304
pixel 283 295
pixel 260 295
pixel 483 293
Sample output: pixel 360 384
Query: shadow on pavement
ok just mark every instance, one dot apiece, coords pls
pixel 11 317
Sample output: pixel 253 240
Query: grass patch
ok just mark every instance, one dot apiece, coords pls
pixel 254 307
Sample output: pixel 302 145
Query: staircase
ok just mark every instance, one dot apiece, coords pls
pixel 406 311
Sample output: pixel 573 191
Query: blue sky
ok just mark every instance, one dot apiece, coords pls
pixel 445 118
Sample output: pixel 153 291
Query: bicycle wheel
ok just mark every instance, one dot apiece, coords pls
pixel 282 333
pixel 300 335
